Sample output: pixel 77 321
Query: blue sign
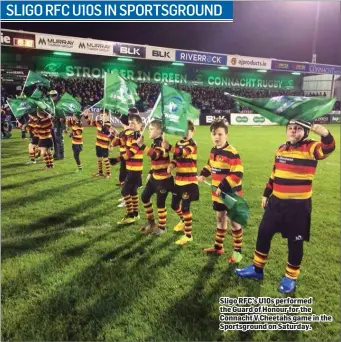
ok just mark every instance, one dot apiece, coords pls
pixel 200 57
pixel 324 69
pixel 136 10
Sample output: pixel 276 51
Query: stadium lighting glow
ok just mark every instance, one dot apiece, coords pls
pixel 178 64
pixel 296 73
pixel 124 59
pixel 223 67
pixel 261 70
pixel 59 53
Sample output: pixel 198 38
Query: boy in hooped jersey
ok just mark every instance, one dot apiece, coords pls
pixel 226 170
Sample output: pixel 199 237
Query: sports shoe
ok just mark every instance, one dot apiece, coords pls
pixel 158 231
pixel 107 176
pixel 121 205
pixel 137 217
pixel 147 227
pixel 287 285
pixel 126 220
pixel 213 250
pixel 31 162
pixel 121 199
pixel 79 170
pixel 235 258
pixel 249 272
pixel 179 227
pixel 183 240
pixel 98 174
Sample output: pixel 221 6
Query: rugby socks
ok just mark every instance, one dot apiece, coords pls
pixel 219 238
pixel 99 166
pixel 107 166
pixel 162 214
pixel 237 238
pixel 187 218
pixel 135 203
pixel 148 208
pixel 259 260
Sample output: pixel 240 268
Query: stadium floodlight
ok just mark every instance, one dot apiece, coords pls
pixel 223 67
pixel 296 73
pixel 60 53
pixel 178 64
pixel 124 59
pixel 261 70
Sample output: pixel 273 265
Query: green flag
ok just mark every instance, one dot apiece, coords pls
pixel 238 208
pixel 36 79
pixel 68 106
pixel 282 109
pixel 46 104
pixel 119 94
pixel 193 113
pixel 171 108
pixel 20 107
pixel 37 94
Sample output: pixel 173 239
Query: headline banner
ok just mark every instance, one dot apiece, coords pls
pixel 129 10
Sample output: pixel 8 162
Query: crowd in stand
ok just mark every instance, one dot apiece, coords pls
pixel 89 91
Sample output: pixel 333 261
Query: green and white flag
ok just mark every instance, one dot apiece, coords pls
pixel 171 108
pixel 36 79
pixel 119 94
pixel 68 106
pixel 282 109
pixel 20 107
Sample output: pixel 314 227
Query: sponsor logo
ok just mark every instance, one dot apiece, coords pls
pixel 95 46
pixel 200 58
pixel 335 118
pixel 324 69
pixel 161 54
pixel 130 50
pixel 211 118
pixel 233 60
pixel 258 119
pixel 240 119
pixel 52 42
pixel 298 238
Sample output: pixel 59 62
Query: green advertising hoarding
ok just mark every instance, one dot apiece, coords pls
pixel 152 71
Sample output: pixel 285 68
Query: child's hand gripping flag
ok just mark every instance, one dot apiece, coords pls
pixel 238 210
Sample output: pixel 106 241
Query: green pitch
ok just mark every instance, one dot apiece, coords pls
pixel 70 273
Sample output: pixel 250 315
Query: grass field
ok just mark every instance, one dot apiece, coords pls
pixel 70 273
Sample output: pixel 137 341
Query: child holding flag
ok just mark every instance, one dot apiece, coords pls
pixel 186 184
pixel 103 139
pixel 159 181
pixel 134 164
pixel 287 199
pixel 32 126
pixel 226 169
pixel 77 138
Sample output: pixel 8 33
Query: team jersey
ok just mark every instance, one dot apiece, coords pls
pixel 133 154
pixel 185 161
pixel 122 139
pixel 295 166
pixel 43 128
pixel 226 169
pixel 103 137
pixel 159 160
pixel 77 131
pixel 32 126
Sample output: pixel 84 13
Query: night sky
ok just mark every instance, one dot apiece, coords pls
pixel 282 30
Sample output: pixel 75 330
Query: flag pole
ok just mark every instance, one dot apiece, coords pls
pixel 152 113
pixel 234 200
pixel 25 83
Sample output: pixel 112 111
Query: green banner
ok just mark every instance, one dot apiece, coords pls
pixel 151 71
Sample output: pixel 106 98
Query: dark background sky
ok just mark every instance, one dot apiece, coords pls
pixel 282 30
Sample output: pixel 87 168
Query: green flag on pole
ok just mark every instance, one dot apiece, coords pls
pixel 36 79
pixel 20 107
pixel 46 104
pixel 119 94
pixel 238 210
pixel 68 106
pixel 282 109
pixel 171 108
